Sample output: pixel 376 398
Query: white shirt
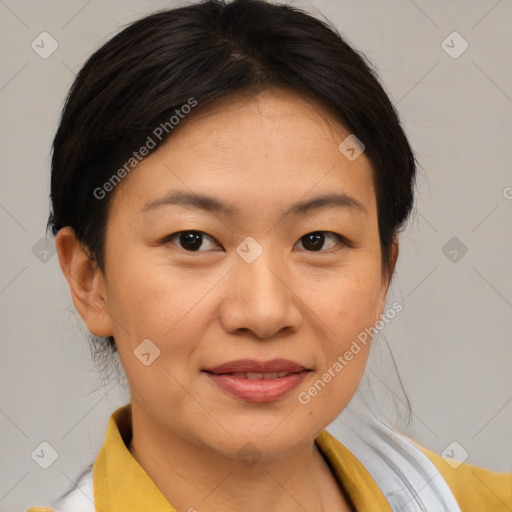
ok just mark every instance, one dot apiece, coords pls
pixel 79 499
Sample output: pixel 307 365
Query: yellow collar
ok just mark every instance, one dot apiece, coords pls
pixel 122 485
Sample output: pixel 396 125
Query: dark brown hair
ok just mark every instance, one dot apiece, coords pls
pixel 139 78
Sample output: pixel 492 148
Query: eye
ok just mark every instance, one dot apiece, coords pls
pixel 193 240
pixel 190 240
pixel 313 242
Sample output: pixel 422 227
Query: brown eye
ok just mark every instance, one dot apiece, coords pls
pixel 190 241
pixel 314 242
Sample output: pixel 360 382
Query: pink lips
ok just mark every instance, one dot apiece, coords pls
pixel 258 381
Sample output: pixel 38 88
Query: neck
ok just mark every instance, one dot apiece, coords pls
pixel 193 477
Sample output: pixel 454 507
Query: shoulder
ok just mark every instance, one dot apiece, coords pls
pixel 475 488
pixel 80 497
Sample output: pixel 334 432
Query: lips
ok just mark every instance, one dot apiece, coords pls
pixel 257 381
pixel 259 375
pixel 244 366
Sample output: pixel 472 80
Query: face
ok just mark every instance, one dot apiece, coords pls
pixel 261 273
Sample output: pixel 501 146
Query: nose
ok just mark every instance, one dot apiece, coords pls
pixel 260 298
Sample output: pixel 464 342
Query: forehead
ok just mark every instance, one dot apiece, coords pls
pixel 273 148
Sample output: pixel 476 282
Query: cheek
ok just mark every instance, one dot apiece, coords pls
pixel 348 310
pixel 148 298
pixel 165 307
pixel 348 304
pixel 169 307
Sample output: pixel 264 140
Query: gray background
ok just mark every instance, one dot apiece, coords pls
pixel 452 342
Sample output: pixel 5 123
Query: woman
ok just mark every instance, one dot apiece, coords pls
pixel 228 186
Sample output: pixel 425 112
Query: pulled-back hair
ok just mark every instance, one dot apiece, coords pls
pixel 143 75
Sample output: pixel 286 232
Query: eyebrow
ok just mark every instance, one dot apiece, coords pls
pixel 213 205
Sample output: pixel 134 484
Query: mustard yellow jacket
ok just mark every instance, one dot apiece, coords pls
pixel 117 483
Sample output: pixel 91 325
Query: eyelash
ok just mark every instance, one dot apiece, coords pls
pixel 341 239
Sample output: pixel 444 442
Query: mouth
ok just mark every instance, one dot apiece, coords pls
pixel 254 366
pixel 256 375
pixel 256 381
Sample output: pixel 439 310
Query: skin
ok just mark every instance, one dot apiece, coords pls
pixel 203 308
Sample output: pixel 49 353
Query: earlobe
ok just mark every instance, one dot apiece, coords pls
pixel 86 282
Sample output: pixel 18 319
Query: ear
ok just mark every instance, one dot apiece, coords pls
pixel 86 283
pixel 386 277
